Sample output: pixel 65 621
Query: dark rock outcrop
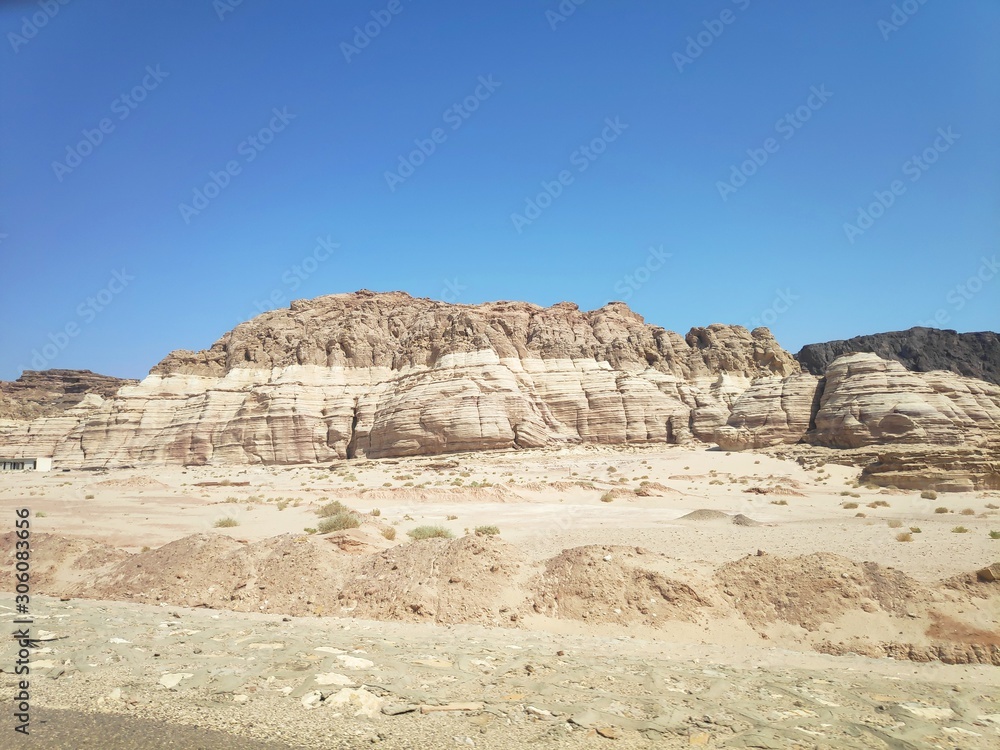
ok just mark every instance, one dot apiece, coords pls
pixel 975 355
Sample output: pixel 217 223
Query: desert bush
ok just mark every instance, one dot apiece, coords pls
pixel 487 530
pixel 451 518
pixel 226 523
pixel 995 535
pixel 332 509
pixel 779 502
pixel 389 533
pixel 915 530
pixel 85 497
pixel 849 506
pixel 41 514
pixel 607 497
pixel 967 512
pixel 309 530
pixel 993 506
pixel 959 530
pixel 232 499
pixel 429 532
pixel 941 509
pixel 928 495
pixel 894 524
pixel 338 522
pixel 375 512
pixel 878 504
pixel 904 536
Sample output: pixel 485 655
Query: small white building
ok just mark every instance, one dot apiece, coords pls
pixel 41 463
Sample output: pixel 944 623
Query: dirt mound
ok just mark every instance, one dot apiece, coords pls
pixel 612 584
pixel 740 520
pixel 810 590
pixel 59 562
pixel 289 573
pixel 471 579
pixel 705 514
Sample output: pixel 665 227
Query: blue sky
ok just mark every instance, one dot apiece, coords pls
pixel 709 162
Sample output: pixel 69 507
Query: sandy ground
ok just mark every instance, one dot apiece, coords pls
pixel 556 640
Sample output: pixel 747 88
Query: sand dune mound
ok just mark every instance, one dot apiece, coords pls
pixel 612 584
pixel 740 520
pixel 810 590
pixel 471 579
pixel 59 562
pixel 288 573
pixel 705 514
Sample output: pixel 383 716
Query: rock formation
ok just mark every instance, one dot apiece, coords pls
pixel 975 355
pixel 50 392
pixel 378 375
pixel 375 375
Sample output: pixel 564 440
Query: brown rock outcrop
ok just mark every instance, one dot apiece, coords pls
pixel 51 392
pixel 388 375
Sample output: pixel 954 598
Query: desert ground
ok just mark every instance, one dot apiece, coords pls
pixel 661 596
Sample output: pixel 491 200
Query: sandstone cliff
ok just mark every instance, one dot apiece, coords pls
pixel 378 375
pixel 975 355
pixel 50 392
pixel 374 375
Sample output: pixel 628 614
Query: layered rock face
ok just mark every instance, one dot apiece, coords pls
pixel 43 394
pixel 388 375
pixel 975 355
pixel 865 400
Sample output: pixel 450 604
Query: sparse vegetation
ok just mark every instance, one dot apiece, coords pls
pixel 995 535
pixel 894 524
pixel 959 530
pixel 941 509
pixel 451 518
pixel 849 506
pixel 878 504
pixel 429 532
pixel 779 502
pixel 338 522
pixel 85 497
pixel 226 523
pixel 607 497
pixel 332 509
pixel 904 536
pixel 993 506
pixel 915 530
pixel 928 495
pixel 309 530
pixel 487 530
pixel 389 533
pixel 41 514
pixel 967 512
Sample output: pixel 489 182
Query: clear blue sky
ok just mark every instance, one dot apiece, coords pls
pixel 775 250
